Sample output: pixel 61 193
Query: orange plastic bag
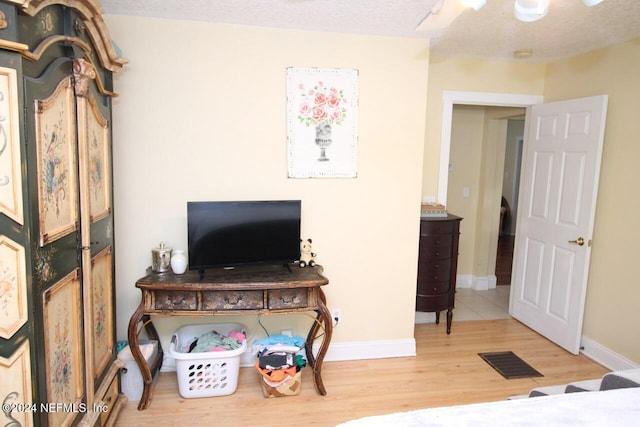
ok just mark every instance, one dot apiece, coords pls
pixel 276 375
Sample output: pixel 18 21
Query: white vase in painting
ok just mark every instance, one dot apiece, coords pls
pixel 323 140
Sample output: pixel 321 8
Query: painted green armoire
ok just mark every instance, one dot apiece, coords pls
pixel 58 362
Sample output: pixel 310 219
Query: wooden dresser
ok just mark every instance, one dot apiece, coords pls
pixel 437 265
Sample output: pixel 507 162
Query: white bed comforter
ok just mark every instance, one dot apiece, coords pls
pixel 620 407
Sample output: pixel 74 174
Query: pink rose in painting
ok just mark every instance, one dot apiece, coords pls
pixel 321 104
pixel 320 99
pixel 333 101
pixel 319 113
pixel 305 109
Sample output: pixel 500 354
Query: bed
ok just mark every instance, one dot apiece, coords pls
pixel 619 407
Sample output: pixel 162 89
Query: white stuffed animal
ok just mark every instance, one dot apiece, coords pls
pixel 306 256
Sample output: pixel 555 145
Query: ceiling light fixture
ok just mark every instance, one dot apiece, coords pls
pixel 525 10
pixel 530 10
pixel 591 2
pixel 474 4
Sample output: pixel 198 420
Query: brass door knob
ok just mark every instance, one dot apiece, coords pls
pixel 579 241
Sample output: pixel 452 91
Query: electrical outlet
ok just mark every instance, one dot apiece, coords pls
pixel 335 315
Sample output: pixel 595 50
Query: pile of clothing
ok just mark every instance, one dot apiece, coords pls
pixel 215 341
pixel 279 364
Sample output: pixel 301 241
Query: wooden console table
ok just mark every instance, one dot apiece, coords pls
pixel 245 290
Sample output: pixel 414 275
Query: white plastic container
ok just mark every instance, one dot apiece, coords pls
pixel 206 374
pixel 131 377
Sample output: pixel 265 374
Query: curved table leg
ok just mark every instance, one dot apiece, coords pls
pixel 323 319
pixel 134 345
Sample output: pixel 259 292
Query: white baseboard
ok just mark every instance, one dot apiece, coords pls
pixel 492 281
pixel 464 281
pixel 478 283
pixel 337 352
pixel 370 350
pixel 604 356
pixel 407 348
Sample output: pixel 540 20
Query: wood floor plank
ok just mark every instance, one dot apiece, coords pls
pixel 447 371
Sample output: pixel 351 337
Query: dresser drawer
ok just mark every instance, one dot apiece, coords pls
pixel 175 300
pixel 232 300
pixel 438 267
pixel 434 303
pixel 430 252
pixel 435 247
pixel 288 298
pixel 110 399
pixel 426 276
pixel 438 228
pixel 433 287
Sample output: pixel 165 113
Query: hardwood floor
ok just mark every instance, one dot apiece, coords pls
pixel 447 371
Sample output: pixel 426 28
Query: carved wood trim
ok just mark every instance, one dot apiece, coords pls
pixel 48 42
pixel 83 72
pixel 91 12
pixel 3 21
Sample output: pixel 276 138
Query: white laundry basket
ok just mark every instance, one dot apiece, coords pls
pixel 210 373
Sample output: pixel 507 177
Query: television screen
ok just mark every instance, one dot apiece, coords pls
pixel 231 233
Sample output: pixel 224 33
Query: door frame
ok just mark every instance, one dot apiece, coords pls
pixel 449 99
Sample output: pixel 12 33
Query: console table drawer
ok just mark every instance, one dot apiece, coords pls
pixel 288 298
pixel 175 300
pixel 232 300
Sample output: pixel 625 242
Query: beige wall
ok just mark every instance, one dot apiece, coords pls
pixel 466 150
pixel 456 74
pixel 612 312
pixel 612 315
pixel 201 116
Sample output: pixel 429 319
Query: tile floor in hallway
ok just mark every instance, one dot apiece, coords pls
pixel 475 305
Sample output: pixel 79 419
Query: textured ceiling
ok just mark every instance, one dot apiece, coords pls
pixel 570 28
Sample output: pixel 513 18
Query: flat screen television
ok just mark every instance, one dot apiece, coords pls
pixel 233 233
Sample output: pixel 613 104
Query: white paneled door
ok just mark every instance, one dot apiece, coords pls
pixel 559 185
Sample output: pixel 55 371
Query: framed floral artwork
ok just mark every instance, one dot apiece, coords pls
pixel 322 123
pixel 100 338
pixel 57 167
pixel 63 346
pixel 97 139
pixel 10 166
pixel 15 387
pixel 13 287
